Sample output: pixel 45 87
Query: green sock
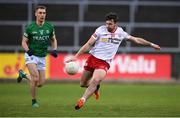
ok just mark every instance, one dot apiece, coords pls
pixel 34 101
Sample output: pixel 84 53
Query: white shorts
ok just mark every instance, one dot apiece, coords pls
pixel 39 61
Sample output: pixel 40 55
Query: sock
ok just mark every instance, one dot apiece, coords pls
pixel 34 101
pixel 83 99
pixel 25 76
pixel 98 86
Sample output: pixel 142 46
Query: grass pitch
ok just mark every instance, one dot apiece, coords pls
pixel 58 100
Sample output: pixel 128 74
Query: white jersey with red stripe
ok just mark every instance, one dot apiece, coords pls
pixel 107 43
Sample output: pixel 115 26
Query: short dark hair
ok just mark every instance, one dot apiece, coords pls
pixel 40 7
pixel 111 16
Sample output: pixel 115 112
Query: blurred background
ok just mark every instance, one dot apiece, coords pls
pixel 75 21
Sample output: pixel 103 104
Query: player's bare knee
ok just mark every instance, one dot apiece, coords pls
pixel 35 77
pixel 34 80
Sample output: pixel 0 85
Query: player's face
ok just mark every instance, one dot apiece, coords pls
pixel 40 15
pixel 111 25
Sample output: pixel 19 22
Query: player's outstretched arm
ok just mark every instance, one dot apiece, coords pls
pixel 142 41
pixel 83 49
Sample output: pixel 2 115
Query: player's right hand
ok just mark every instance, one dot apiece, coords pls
pixel 30 52
pixel 73 58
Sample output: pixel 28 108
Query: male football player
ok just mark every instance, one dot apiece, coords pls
pixel 35 42
pixel 103 45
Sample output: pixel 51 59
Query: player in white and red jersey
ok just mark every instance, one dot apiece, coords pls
pixel 103 45
pixel 107 43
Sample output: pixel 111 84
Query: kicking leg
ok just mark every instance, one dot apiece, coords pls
pixel 98 76
pixel 85 80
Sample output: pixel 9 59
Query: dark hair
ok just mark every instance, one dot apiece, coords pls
pixel 40 7
pixel 112 16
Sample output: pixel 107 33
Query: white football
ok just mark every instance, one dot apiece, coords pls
pixel 72 67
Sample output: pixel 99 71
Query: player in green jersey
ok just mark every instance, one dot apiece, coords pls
pixel 35 42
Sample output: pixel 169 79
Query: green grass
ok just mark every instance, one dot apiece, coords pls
pixel 116 100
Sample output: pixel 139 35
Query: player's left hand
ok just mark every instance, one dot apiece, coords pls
pixel 54 53
pixel 155 46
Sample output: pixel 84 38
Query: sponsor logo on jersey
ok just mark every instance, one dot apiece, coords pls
pixel 111 40
pixel 41 38
pixel 104 40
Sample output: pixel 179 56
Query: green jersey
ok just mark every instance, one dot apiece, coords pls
pixel 39 37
